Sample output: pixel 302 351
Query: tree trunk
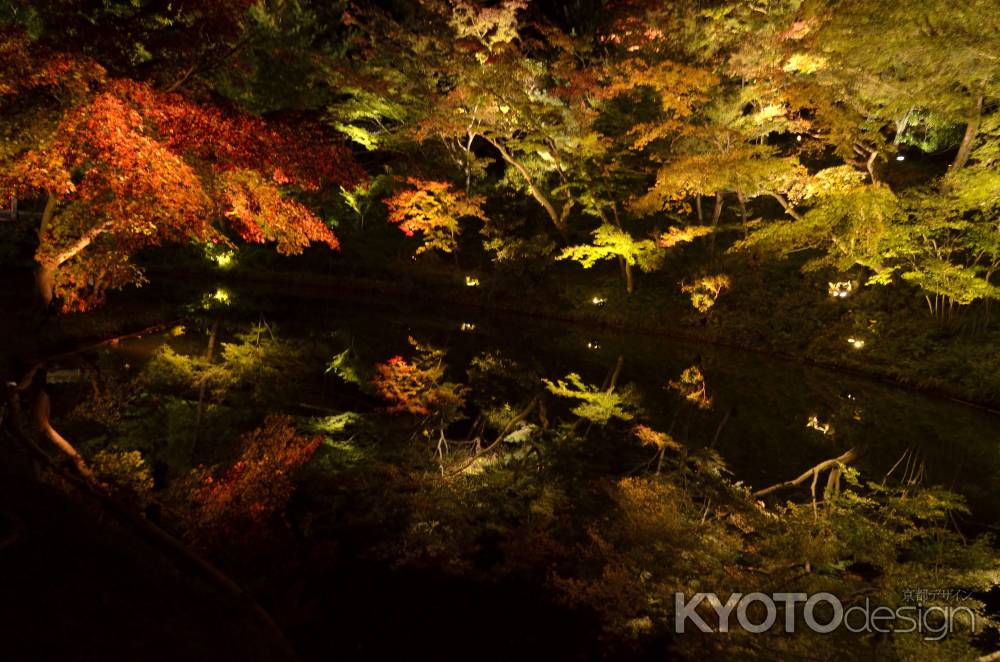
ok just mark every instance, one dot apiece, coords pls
pixel 45 285
pixel 46 267
pixel 870 164
pixel 901 125
pixel 47 213
pixel 627 270
pixel 557 219
pixel 468 163
pixel 45 271
pixel 743 211
pixel 965 149
pixel 720 198
pixel 41 412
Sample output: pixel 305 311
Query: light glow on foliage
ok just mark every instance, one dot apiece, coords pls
pixel 612 242
pixel 489 26
pixel 223 258
pixel 693 387
pixel 840 289
pixel 597 405
pixel 814 424
pixel 804 63
pixel 705 291
pixel 220 297
pixel 647 436
pixel 682 235
pixel 417 387
pixel 433 209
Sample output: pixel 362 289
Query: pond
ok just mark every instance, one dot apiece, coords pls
pixel 376 507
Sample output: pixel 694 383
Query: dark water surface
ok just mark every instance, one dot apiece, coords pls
pixel 769 420
pixel 762 406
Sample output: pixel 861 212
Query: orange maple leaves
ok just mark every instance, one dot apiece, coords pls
pixel 126 166
pixel 241 502
pixel 259 213
pixel 433 209
pixel 418 387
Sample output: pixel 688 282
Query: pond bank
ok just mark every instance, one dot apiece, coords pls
pixel 554 306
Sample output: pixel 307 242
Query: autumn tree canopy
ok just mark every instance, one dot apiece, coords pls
pixel 604 125
pixel 121 165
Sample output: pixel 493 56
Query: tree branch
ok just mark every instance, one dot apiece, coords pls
pixel 536 193
pixel 73 249
pixel 813 472
pixel 524 413
pixel 783 201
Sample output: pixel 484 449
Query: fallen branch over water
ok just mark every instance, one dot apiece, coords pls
pixel 523 414
pixel 813 472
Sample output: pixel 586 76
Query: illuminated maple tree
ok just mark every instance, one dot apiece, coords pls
pixel 486 83
pixel 432 209
pixel 222 506
pixel 612 242
pixel 122 166
pixel 417 386
pixel 706 291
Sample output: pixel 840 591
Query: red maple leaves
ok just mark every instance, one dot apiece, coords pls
pixel 259 213
pixel 302 155
pixel 241 503
pixel 25 67
pixel 126 167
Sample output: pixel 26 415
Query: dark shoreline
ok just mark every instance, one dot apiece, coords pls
pixel 357 289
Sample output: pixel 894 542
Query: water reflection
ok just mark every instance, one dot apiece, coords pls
pixel 762 401
pixel 518 447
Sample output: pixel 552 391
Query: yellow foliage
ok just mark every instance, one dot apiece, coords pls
pixel 682 235
pixel 706 291
pixel 125 471
pixel 432 209
pixel 693 387
pixel 805 63
pixel 647 436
